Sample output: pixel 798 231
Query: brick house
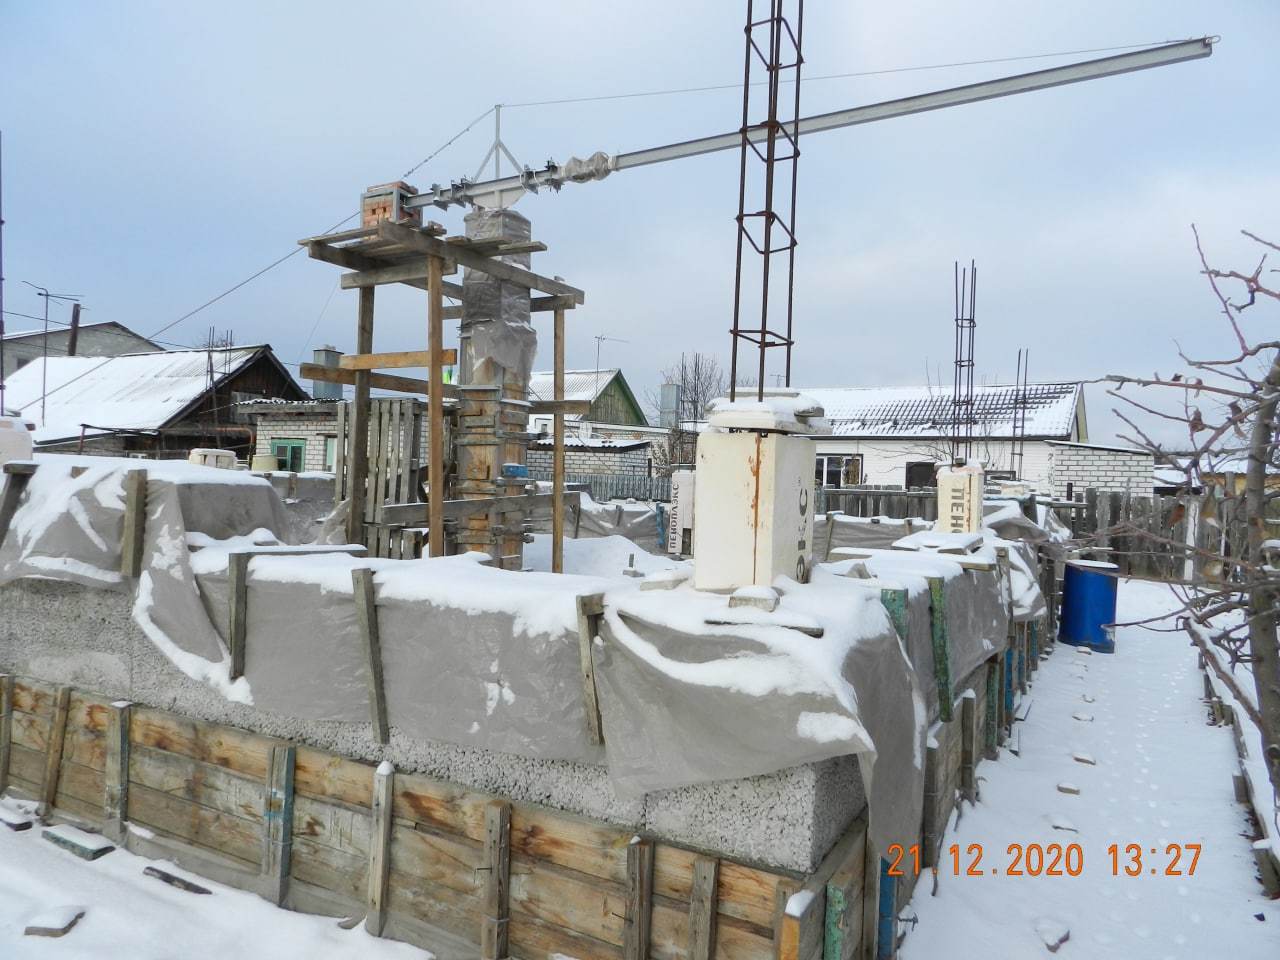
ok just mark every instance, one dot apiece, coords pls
pixel 593 456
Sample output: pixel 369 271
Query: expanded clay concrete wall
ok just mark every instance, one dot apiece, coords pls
pixel 62 633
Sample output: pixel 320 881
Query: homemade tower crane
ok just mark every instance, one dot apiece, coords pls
pixel 497 340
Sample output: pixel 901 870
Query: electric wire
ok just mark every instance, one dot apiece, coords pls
pixel 836 76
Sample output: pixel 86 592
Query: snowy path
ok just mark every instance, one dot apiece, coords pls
pixel 1162 776
pixel 133 917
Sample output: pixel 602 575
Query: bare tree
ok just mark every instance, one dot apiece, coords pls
pixel 701 380
pixel 1227 406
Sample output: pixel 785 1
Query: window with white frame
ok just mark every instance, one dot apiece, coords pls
pixel 838 470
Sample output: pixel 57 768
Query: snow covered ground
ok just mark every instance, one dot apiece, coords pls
pixel 129 915
pixel 1161 775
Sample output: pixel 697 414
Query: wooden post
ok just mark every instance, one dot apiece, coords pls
pixel 367 620
pixel 497 858
pixel 991 728
pixel 941 650
pixel 135 522
pixel 590 610
pixel 17 476
pixel 380 848
pixel 277 821
pixel 238 615
pixel 557 455
pixel 116 772
pixel 358 428
pixel 53 755
pixel 870 901
pixel 340 456
pixel 969 746
pixel 6 728
pixel 702 908
pixel 930 833
pixel 435 408
pixel 635 942
pixel 894 600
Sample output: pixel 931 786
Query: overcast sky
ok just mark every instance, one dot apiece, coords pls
pixel 155 154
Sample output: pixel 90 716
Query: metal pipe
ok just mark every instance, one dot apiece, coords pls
pixel 552 176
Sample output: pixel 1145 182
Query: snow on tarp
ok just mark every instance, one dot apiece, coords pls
pixel 976 604
pixel 604 556
pixel 685 701
pixel 847 531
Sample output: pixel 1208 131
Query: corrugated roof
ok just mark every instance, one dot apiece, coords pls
pixel 928 411
pixel 139 391
pixel 578 385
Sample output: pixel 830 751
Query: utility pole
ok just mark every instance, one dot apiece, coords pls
pixel 74 334
pixel 44 339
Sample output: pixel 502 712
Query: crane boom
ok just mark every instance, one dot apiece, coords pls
pixel 600 165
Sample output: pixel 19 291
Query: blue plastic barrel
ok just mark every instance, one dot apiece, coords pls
pixel 1089 605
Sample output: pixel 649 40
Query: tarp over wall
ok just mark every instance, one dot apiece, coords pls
pixel 691 690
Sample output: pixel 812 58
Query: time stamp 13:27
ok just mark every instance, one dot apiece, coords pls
pixel 1049 860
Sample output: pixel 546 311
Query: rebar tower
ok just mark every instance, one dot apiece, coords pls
pixel 962 412
pixel 1018 448
pixel 772 43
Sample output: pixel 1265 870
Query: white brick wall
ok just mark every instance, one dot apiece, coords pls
pixel 592 461
pixel 311 429
pixel 1106 470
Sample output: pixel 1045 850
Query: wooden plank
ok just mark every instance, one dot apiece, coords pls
pixel 843 923
pixel 238 610
pixel 440 805
pixel 327 776
pixel 135 522
pixel 358 455
pixel 394 360
pixel 536 305
pixel 329 868
pixel 115 808
pixel 413 273
pixel 590 610
pixel 33 698
pixel 557 454
pixel 565 407
pixel 571 901
pixel 26 768
pixel 244 753
pixel 339 451
pixel 498 269
pixel 201 826
pixel 941 649
pixel 367 620
pixel 702 909
pixel 197 783
pixel 635 941
pixel 380 381
pixel 354 260
pixel 497 867
pixel 380 848
pixel 333 824
pixel 80 791
pixel 6 728
pixel 53 754
pixel 435 407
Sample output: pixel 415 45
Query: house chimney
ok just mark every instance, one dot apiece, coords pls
pixel 326 356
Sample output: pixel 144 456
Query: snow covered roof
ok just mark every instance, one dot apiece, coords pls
pixel 138 391
pixel 63 330
pixel 578 385
pixel 927 411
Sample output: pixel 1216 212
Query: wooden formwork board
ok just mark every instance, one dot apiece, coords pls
pixel 573 883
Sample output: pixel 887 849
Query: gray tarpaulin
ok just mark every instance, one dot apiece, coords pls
pixel 832 530
pixel 684 700
pixel 690 689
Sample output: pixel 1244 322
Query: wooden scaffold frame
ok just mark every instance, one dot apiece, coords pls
pixel 390 252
